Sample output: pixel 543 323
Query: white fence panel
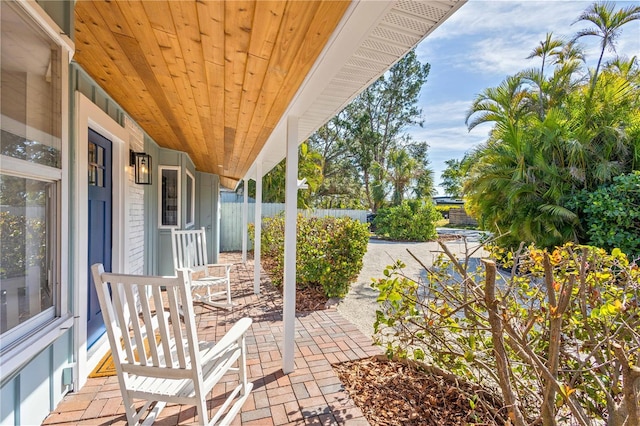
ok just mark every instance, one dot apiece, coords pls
pixel 231 220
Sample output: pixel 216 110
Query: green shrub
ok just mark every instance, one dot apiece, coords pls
pixel 610 216
pixel 329 252
pixel 413 220
pixel 444 209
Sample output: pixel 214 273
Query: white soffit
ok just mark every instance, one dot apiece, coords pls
pixel 371 37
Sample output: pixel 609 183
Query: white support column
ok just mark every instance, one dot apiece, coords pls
pixel 290 222
pixel 245 221
pixel 258 229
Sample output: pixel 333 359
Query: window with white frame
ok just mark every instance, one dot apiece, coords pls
pixel 169 196
pixel 190 200
pixel 30 176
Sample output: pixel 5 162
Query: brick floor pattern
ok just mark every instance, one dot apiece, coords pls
pixel 311 395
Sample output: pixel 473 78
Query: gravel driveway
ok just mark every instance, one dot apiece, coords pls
pixel 359 305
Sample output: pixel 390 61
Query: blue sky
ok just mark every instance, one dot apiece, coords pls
pixel 476 48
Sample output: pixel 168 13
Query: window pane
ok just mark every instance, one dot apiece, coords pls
pixel 25 221
pixel 96 165
pixel 30 100
pixel 169 197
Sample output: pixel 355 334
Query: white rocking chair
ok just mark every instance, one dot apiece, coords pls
pixel 157 356
pixel 190 252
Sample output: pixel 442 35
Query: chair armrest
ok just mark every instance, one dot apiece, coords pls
pixel 227 266
pixel 218 267
pixel 230 338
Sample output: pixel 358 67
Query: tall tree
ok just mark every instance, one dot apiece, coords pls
pixel 608 23
pixel 547 48
pixel 453 178
pixel 378 118
pixel 341 186
pixel 402 169
pixel 423 185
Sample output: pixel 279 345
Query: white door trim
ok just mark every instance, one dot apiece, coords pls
pixel 88 115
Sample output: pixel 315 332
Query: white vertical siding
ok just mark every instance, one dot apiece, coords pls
pixel 231 220
pixel 136 204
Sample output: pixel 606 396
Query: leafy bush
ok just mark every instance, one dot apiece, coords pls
pixel 558 336
pixel 610 215
pixel 413 220
pixel 444 209
pixel 329 252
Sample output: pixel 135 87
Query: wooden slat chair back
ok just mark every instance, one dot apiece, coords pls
pixel 189 248
pixel 155 349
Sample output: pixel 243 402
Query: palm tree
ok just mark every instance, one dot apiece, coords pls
pixel 608 28
pixel 577 135
pixel 401 170
pixel 547 48
pixel 506 104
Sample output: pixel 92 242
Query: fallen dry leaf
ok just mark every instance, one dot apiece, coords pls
pixel 398 393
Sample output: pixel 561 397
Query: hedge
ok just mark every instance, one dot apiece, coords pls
pixel 413 220
pixel 329 252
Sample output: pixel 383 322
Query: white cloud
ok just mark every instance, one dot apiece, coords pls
pixel 494 37
pixel 446 112
pixel 453 138
pixel 510 17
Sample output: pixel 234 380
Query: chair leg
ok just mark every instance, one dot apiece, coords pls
pixel 229 292
pixel 242 368
pixel 129 409
pixel 154 413
pixel 201 409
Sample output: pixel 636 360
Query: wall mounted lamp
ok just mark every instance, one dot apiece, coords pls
pixel 141 163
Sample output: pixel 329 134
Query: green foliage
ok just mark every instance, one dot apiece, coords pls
pixel 611 214
pixel 558 130
pixel 413 220
pixel 453 177
pixel 568 319
pixel 273 184
pixel 357 144
pixel 444 209
pixel 329 252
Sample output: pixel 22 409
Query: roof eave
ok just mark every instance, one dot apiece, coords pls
pixel 357 25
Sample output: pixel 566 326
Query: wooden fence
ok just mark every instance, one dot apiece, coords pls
pixel 231 220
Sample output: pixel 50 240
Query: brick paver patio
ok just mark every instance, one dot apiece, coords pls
pixel 311 395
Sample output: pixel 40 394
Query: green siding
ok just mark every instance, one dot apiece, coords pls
pixel 29 397
pixel 207 213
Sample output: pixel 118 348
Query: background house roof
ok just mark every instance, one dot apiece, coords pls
pixel 216 79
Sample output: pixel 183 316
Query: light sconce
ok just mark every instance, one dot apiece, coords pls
pixel 141 163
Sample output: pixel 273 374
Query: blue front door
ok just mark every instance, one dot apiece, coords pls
pixel 99 232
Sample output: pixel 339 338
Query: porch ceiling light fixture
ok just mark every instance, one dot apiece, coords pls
pixel 141 163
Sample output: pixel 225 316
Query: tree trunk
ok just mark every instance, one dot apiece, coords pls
pixel 630 376
pixel 502 361
pixel 367 190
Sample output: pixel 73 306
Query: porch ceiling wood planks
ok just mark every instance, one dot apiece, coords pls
pixel 211 78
